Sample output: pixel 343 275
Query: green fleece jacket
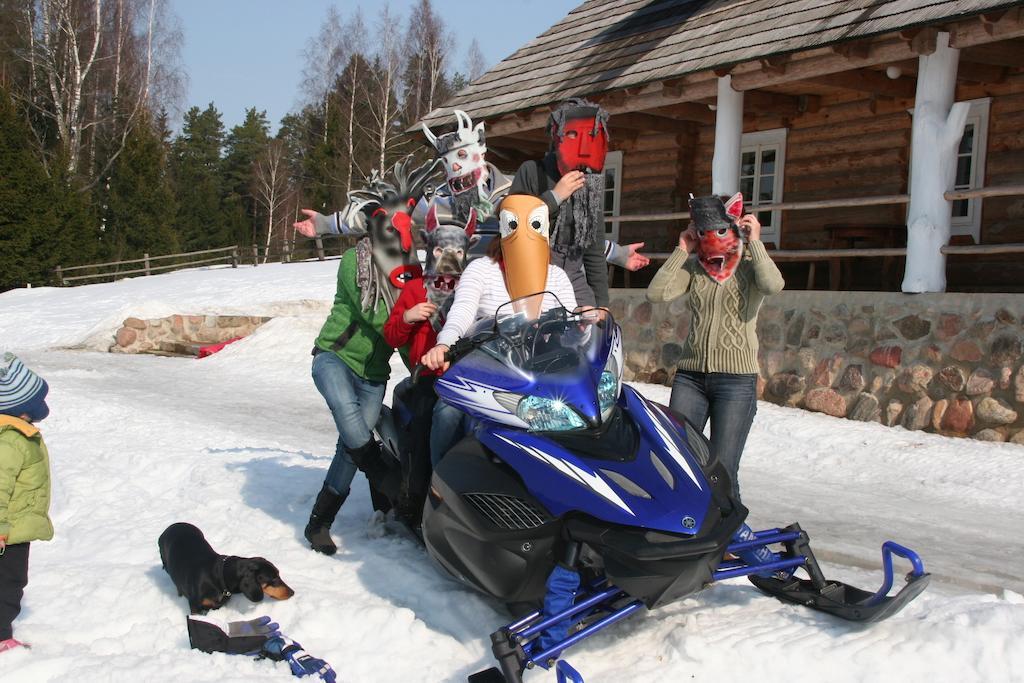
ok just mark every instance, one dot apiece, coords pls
pixel 723 322
pixel 24 483
pixel 356 337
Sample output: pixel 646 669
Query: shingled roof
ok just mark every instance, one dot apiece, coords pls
pixel 606 45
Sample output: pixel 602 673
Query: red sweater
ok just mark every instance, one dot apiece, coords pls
pixel 419 336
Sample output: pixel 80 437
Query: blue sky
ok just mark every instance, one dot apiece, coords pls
pixel 248 53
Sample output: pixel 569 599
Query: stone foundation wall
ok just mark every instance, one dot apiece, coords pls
pixel 181 334
pixel 945 363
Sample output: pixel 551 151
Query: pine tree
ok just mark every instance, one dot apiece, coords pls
pixel 196 173
pixel 44 222
pixel 244 144
pixel 140 203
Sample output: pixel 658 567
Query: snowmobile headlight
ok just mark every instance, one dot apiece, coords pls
pixel 548 415
pixel 607 393
pixel 608 387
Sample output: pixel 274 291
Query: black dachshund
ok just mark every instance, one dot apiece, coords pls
pixel 207 579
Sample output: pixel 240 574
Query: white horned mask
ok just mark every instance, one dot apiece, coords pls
pixel 462 153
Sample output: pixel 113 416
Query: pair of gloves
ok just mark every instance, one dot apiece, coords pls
pixel 260 638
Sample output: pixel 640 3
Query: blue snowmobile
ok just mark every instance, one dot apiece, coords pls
pixel 580 501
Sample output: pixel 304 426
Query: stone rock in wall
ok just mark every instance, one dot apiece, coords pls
pixel 126 336
pixel 915 379
pixel 990 435
pixel 770 335
pixel 937 412
pixel 1018 385
pixel 913 327
pixel 887 356
pixel 835 333
pixel 958 417
pixel 866 409
pixel 1004 377
pixel 842 311
pixel 1006 349
pixel 882 382
pixel 931 353
pixel 617 307
pixel 795 331
pixel 1005 317
pixel 640 360
pixel 670 354
pixel 825 400
pixel 683 327
pixel 853 379
pixel 771 362
pixel 232 321
pixel 770 312
pixel 952 378
pixel 1018 437
pixel 679 306
pixel 784 387
pixel 177 324
pixel 135 323
pixel 892 411
pixel 824 373
pixel 642 313
pixel 659 376
pixel 979 383
pixel 761 384
pixel 859 327
pixel 950 325
pixel 859 347
pixel 917 414
pixel 666 331
pixel 994 411
pixel 806 361
pixel 884 332
pixel 981 330
pixel 811 334
pixel 966 350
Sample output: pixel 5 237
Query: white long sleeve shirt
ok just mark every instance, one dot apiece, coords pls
pixel 481 291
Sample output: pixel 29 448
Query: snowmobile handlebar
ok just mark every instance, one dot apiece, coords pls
pixel 454 353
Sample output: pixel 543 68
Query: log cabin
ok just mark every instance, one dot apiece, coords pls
pixel 806 106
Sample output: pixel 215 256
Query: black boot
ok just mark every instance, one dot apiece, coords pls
pixel 318 529
pixel 382 476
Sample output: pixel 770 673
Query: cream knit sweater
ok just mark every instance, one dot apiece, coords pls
pixel 723 323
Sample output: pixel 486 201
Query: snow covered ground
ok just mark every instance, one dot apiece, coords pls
pixel 238 444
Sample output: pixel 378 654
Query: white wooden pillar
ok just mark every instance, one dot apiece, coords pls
pixel 725 165
pixel 938 127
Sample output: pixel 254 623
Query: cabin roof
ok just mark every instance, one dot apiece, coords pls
pixel 605 45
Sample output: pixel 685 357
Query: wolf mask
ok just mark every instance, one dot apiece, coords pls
pixel 447 245
pixel 719 239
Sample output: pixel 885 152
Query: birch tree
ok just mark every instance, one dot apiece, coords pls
pixel 271 186
pixel 92 67
pixel 383 81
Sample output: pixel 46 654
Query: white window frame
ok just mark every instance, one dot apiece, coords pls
pixel 613 162
pixel 971 223
pixel 757 142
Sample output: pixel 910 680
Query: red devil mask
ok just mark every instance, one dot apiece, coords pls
pixel 719 243
pixel 582 146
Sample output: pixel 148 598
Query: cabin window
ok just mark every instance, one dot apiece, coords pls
pixel 762 161
pixel 970 170
pixel 612 192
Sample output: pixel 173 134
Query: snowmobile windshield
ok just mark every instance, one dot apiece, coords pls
pixel 538 335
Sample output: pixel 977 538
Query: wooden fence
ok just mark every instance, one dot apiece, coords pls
pixel 284 251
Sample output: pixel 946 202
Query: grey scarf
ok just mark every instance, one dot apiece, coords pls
pixel 582 215
pixel 372 284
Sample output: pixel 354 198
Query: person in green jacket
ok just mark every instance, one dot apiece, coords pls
pixel 351 360
pixel 727 278
pixel 24 485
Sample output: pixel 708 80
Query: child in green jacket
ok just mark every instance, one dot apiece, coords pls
pixel 24 485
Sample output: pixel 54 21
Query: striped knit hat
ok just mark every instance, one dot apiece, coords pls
pixel 22 392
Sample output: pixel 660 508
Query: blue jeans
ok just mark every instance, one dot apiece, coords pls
pixel 730 400
pixel 355 404
pixel 448 425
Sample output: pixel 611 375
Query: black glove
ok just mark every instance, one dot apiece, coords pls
pixel 235 638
